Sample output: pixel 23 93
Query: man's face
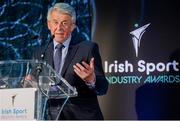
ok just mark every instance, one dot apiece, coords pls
pixel 61 26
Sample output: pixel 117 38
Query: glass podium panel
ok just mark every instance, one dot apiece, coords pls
pixel 31 83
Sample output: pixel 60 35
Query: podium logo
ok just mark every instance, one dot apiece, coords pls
pixel 13 99
pixel 137 35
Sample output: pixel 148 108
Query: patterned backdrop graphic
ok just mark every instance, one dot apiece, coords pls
pixel 23 25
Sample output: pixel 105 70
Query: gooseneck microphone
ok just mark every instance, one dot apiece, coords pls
pixel 39 67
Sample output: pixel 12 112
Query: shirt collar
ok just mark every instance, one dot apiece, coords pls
pixel 66 42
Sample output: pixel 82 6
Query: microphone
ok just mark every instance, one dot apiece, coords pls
pixel 39 66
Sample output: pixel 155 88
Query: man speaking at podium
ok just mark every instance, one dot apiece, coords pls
pixel 77 61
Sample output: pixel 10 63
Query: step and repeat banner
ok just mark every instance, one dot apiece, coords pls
pixel 140 46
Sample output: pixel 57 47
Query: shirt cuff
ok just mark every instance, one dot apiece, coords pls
pixel 91 85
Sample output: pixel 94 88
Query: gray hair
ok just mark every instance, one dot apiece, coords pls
pixel 62 8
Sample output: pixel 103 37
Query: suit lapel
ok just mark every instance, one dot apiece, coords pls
pixel 71 52
pixel 49 54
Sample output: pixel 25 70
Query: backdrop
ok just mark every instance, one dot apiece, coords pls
pixel 140 47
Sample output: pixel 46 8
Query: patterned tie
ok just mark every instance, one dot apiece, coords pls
pixel 58 57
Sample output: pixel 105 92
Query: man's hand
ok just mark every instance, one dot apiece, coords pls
pixel 86 71
pixel 29 81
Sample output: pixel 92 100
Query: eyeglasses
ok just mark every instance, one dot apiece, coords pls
pixel 64 24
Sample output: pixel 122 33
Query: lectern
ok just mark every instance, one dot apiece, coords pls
pixel 23 98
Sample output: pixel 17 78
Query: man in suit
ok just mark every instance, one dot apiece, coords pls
pixel 80 65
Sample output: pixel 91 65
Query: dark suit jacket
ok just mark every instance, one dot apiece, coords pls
pixel 85 105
